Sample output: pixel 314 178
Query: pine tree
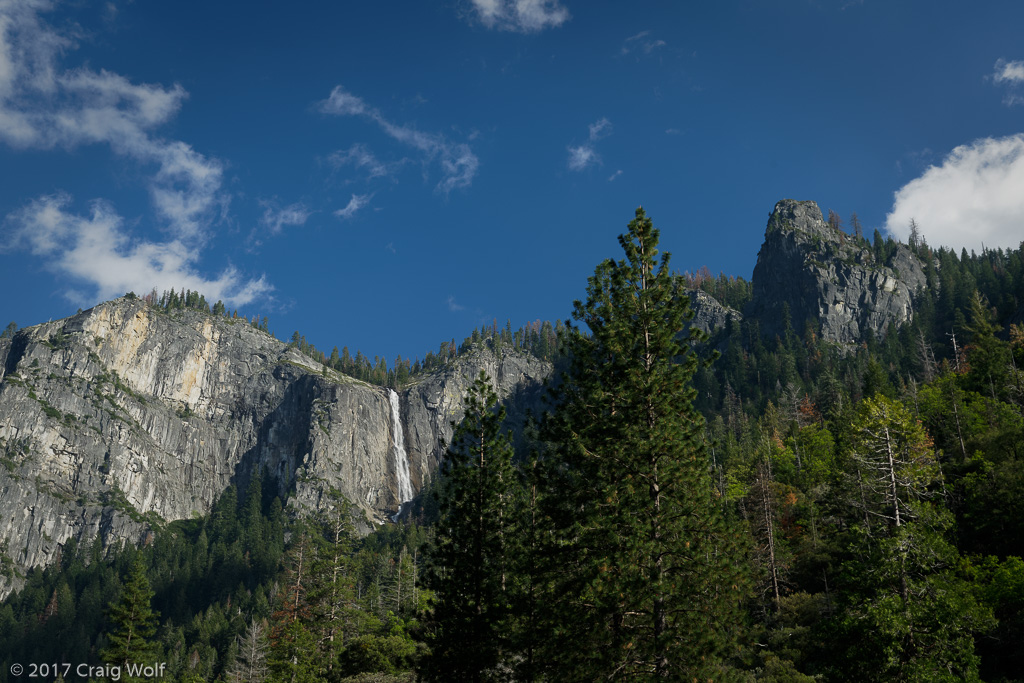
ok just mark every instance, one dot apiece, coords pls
pixel 251 663
pixel 293 645
pixel 858 229
pixel 133 624
pixel 909 613
pixel 650 582
pixel 468 560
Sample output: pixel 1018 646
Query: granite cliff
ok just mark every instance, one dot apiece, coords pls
pixel 808 270
pixel 125 416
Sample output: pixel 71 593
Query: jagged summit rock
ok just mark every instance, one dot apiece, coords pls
pixel 125 415
pixel 809 271
pixel 802 217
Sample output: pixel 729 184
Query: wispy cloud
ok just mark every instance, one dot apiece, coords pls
pixel 357 202
pixel 615 175
pixel 523 16
pixel 585 155
pixel 972 198
pixel 1011 75
pixel 44 105
pixel 600 129
pixel 276 217
pixel 643 42
pixel 582 156
pixel 360 156
pixel 457 162
pixel 98 250
pixel 453 306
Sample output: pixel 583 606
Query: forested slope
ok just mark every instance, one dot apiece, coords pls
pixel 825 510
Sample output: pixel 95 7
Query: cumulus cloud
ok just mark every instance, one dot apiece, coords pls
pixel 972 198
pixel 585 155
pixel 97 249
pixel 43 106
pixel 276 217
pixel 1011 75
pixel 357 202
pixel 457 162
pixel 523 16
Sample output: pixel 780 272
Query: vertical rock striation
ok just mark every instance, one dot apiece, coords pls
pixel 125 416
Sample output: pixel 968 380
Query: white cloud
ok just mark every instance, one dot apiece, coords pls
pixel 1009 72
pixel 43 106
pixel 615 175
pixel 453 306
pixel 1011 75
pixel 343 103
pixel 457 161
pixel 643 42
pixel 600 129
pixel 973 198
pixel 357 202
pixel 582 156
pixel 360 156
pixel 523 16
pixel 97 250
pixel 275 217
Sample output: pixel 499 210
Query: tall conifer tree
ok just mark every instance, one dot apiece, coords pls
pixel 649 580
pixel 134 624
pixel 469 568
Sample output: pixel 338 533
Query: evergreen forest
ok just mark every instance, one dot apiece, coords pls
pixel 689 507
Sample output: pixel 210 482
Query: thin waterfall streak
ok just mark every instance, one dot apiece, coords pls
pixel 405 492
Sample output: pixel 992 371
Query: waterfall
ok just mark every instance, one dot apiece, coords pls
pixel 401 457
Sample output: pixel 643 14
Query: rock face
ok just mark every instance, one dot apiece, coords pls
pixel 125 414
pixel 708 314
pixel 821 274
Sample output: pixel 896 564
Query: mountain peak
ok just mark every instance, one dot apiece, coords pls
pixel 809 272
pixel 791 215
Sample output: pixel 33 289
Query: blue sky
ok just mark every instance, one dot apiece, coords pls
pixel 389 175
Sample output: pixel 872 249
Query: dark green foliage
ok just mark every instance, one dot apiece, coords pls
pixel 469 559
pixel 557 576
pixel 133 625
pixel 650 580
pixel 538 338
pixel 907 611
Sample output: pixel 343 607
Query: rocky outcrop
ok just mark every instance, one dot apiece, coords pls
pixel 807 270
pixel 435 403
pixel 125 415
pixel 708 314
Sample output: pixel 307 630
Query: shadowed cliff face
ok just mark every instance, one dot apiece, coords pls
pixel 823 275
pixel 125 414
